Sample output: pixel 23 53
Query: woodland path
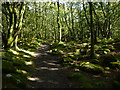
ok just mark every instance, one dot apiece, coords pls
pixel 48 72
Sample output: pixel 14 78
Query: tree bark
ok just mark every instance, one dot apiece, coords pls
pixel 91 30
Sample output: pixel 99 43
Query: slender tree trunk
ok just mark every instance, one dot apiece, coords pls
pixel 91 30
pixel 109 23
pixel 15 23
pixel 58 21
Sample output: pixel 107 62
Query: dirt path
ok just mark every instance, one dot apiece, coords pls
pixel 48 72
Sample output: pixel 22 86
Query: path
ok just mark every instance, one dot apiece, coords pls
pixel 48 72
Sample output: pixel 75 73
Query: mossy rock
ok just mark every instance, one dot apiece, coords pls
pixel 115 65
pixel 117 46
pixel 83 51
pixel 93 68
pixel 8 67
pixel 95 61
pixel 67 59
pixel 14 81
pixel 75 57
pixel 77 76
pixel 101 52
pixel 20 63
pixel 8 82
pixel 54 45
pixel 58 45
pixel 55 51
pixel 105 60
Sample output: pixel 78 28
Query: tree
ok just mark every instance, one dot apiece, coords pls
pixel 91 30
pixel 12 19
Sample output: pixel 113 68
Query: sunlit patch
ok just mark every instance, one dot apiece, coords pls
pixel 31 53
pixel 53 69
pixel 26 56
pixel 33 78
pixel 77 70
pixel 14 52
pixel 97 55
pixel 24 71
pixel 29 63
pixel 8 75
pixel 107 72
pixel 70 53
pixel 46 68
pixel 17 57
pixel 49 63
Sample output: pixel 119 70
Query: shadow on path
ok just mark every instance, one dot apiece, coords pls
pixel 48 73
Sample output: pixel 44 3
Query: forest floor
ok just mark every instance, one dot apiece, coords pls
pixel 48 72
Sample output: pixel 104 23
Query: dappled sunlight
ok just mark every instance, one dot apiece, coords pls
pixel 53 69
pixel 47 68
pixel 50 63
pixel 107 72
pixel 35 79
pixel 31 53
pixel 26 56
pixel 14 52
pixel 25 72
pixel 29 63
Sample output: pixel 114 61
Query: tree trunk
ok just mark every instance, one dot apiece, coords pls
pixel 16 12
pixel 58 21
pixel 91 31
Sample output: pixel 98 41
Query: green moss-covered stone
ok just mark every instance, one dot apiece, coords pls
pixel 9 69
pixel 115 64
pixel 93 68
pixel 105 60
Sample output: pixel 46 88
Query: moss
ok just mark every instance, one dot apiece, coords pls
pixel 106 60
pixel 95 61
pixel 115 65
pixel 15 81
pixel 117 46
pixel 67 59
pixel 93 68
pixel 83 51
pixel 56 51
pixel 6 69
pixel 58 45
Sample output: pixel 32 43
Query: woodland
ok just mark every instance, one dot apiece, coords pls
pixel 82 37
